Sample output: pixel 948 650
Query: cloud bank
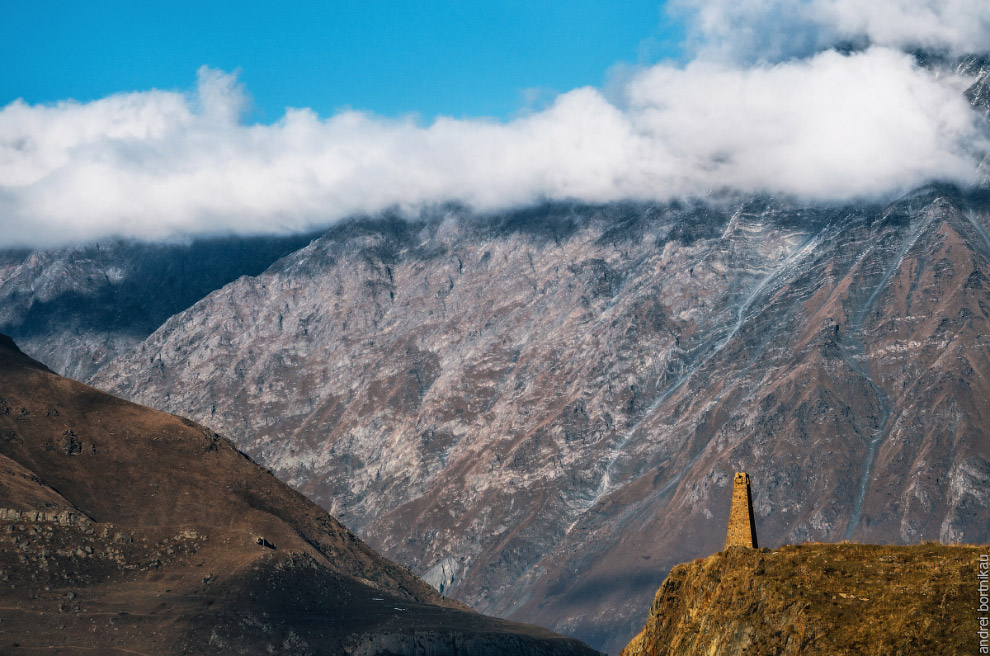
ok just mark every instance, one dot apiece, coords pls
pixel 776 30
pixel 827 127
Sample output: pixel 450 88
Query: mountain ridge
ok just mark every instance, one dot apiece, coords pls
pixel 539 411
pixel 124 528
pixel 78 307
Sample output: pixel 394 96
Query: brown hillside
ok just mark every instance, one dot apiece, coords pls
pixel 128 530
pixel 828 599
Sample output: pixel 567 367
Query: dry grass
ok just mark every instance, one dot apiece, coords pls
pixel 833 599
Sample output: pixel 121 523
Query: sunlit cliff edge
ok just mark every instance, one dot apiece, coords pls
pixel 815 598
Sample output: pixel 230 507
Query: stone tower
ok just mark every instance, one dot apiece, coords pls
pixel 742 527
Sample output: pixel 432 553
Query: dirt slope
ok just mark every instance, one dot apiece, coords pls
pixel 128 530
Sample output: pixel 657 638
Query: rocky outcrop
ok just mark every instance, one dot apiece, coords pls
pixel 828 599
pixel 64 517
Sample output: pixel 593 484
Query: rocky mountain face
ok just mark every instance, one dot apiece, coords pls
pixel 76 308
pixel 541 412
pixel 128 530
pixel 828 599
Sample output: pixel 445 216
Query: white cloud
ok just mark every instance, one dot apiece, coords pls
pixel 774 30
pixel 832 127
pixel 156 164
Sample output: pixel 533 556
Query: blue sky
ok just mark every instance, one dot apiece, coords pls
pixel 427 57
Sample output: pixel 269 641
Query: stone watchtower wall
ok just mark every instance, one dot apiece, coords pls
pixel 742 527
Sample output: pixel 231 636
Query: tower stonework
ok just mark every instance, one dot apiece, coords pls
pixel 742 527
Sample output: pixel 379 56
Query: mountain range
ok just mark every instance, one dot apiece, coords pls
pixel 540 411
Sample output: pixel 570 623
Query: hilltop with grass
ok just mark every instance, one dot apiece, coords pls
pixel 828 599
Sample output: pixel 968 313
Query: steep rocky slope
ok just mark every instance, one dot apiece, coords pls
pixel 76 308
pixel 541 411
pixel 828 599
pixel 127 530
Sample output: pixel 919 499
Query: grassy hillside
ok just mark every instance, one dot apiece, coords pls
pixel 832 599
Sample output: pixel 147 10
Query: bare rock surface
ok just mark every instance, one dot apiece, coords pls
pixel 542 411
pixel 76 308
